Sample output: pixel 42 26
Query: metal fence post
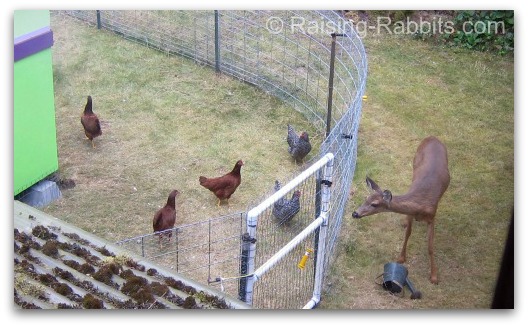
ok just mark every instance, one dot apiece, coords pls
pixel 217 41
pixel 251 252
pixel 142 246
pixel 331 84
pixel 98 13
pixel 209 251
pixel 244 266
pixel 177 241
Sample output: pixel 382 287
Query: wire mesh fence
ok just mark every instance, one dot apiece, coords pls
pixel 286 286
pixel 203 251
pixel 212 251
pixel 283 53
pixel 279 278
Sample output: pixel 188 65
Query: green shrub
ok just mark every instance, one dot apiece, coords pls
pixel 483 30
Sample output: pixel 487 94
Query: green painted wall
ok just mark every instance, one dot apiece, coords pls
pixel 35 143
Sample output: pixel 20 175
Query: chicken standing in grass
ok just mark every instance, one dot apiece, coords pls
pixel 224 186
pixel 298 145
pixel 90 122
pixel 165 218
pixel 284 210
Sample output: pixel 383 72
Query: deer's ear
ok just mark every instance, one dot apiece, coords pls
pixel 387 196
pixel 373 185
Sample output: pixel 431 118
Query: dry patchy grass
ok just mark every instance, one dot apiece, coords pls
pixel 165 122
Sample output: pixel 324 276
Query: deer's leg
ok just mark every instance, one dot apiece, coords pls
pixel 430 236
pixel 408 230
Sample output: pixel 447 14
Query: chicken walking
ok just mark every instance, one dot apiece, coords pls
pixel 90 122
pixel 224 186
pixel 165 218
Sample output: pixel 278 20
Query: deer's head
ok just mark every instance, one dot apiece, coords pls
pixel 376 202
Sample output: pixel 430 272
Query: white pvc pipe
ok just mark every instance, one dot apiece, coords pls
pixel 312 303
pixel 321 255
pixel 288 247
pixel 321 249
pixel 255 212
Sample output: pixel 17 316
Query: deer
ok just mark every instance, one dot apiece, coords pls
pixel 429 182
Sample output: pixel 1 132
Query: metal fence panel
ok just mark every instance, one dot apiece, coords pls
pixel 202 251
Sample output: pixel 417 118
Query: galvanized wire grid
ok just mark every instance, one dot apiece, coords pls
pixel 292 65
pixel 203 251
pixel 286 286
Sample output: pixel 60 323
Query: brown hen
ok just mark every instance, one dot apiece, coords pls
pixel 165 217
pixel 90 122
pixel 224 186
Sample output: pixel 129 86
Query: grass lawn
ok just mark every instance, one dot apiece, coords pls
pixel 167 120
pixel 466 99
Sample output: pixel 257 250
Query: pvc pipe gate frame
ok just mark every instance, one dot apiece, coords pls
pixel 320 222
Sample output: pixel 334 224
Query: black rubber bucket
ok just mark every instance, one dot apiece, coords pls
pixel 394 277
